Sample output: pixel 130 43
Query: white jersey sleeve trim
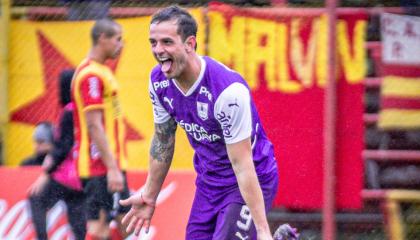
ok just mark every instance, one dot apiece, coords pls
pixel 232 110
pixel 160 115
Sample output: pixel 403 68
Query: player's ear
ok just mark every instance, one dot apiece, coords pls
pixel 191 43
pixel 101 37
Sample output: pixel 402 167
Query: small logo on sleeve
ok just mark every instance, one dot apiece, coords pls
pixel 235 104
pixel 93 87
pixel 224 120
pixel 169 101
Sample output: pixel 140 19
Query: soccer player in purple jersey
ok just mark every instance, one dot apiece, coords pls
pixel 236 169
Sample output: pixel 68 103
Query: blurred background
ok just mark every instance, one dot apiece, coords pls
pixel 336 82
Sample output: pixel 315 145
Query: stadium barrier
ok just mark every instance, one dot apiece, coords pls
pixel 400 207
pixel 169 220
pixel 401 211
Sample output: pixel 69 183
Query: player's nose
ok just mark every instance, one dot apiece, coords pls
pixel 158 49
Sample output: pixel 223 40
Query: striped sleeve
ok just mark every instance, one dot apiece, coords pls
pixel 92 92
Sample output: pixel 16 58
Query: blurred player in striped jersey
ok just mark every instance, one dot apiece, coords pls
pixel 99 129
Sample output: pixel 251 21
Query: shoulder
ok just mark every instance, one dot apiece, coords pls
pixel 220 77
pixel 221 74
pixel 233 93
pixel 156 74
pixel 87 70
pixel 216 67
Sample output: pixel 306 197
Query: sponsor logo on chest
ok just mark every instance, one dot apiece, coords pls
pixel 161 84
pixel 198 132
pixel 203 90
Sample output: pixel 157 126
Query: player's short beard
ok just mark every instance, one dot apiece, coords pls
pixel 180 66
pixel 115 54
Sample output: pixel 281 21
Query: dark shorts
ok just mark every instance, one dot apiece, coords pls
pixel 98 197
pixel 228 219
pixel 46 199
pixel 55 191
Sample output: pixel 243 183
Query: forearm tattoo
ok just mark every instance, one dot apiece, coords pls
pixel 163 142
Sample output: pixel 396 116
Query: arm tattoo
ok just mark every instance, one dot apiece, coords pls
pixel 163 142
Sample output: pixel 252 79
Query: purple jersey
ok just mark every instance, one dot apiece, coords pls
pixel 217 110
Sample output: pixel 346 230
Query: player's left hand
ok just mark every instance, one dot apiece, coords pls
pixel 140 214
pixel 38 186
pixel 115 180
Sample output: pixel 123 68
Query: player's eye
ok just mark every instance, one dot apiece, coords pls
pixel 167 41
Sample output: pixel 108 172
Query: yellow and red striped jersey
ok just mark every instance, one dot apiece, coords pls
pixel 95 87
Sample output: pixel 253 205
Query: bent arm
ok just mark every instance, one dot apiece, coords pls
pixel 161 154
pixel 99 138
pixel 115 179
pixel 240 155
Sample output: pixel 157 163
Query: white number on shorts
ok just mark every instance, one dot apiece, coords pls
pixel 239 235
pixel 246 216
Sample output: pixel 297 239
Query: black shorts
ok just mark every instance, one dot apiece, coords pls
pixel 98 197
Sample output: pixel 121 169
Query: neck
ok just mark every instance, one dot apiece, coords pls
pixel 96 55
pixel 190 75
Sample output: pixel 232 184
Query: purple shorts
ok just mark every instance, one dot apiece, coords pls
pixel 229 219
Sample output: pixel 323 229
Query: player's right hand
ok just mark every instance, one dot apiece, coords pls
pixel 140 214
pixel 115 180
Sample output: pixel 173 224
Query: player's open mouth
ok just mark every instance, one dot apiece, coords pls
pixel 165 63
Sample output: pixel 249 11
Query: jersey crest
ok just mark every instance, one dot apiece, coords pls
pixel 203 110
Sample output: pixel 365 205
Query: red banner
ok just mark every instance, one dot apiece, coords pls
pixel 284 60
pixel 169 221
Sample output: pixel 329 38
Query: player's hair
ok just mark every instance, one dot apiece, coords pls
pixel 187 26
pixel 44 132
pixel 106 26
pixel 65 85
